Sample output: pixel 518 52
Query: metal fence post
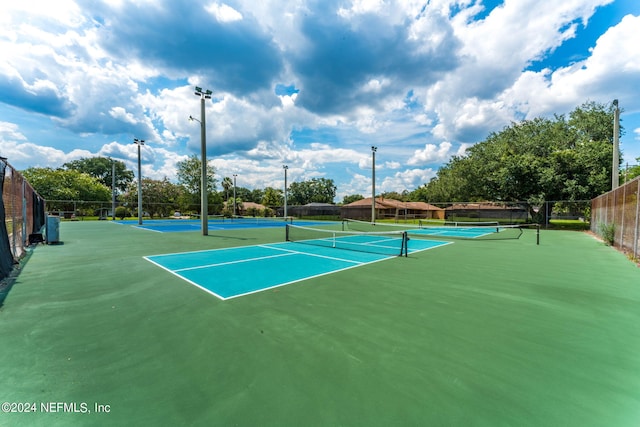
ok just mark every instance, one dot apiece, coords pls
pixel 637 226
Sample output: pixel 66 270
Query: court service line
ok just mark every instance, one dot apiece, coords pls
pixel 231 262
pixel 312 254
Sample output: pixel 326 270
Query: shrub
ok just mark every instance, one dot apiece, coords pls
pixel 122 212
pixel 608 232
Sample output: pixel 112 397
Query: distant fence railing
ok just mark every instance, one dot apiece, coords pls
pixel 22 210
pixel 615 216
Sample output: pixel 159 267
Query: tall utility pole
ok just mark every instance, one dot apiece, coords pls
pixel 234 194
pixel 285 167
pixel 204 203
pixel 373 183
pixel 113 189
pixel 615 169
pixel 139 142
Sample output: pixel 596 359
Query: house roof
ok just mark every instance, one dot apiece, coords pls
pixel 382 203
pixel 249 205
pixel 484 205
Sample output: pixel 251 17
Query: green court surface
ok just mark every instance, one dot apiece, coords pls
pixel 474 333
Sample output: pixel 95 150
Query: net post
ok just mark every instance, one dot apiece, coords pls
pixel 405 244
pixel 287 233
pixel 537 234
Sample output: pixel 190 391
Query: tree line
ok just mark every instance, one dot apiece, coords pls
pixel 565 158
pixel 534 161
pixel 91 180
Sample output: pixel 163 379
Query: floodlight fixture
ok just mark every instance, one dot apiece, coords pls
pixel 204 204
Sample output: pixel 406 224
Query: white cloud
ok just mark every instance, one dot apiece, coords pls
pixel 223 12
pixel 61 58
pixel 431 153
pixel 392 165
pixel 408 179
pixel 10 131
pixel 358 184
pixel 63 12
pixel 120 113
pixel 482 93
pixel 375 85
pixel 38 155
pixel 612 68
pixel 359 7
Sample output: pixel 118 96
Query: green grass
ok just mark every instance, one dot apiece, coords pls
pixel 569 224
pixel 491 333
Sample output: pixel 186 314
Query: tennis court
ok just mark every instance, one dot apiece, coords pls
pixel 172 225
pixel 473 333
pixel 228 273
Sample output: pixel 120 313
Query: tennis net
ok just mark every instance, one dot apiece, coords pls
pixel 446 231
pixel 392 243
pixel 246 219
pixel 434 223
pixel 259 219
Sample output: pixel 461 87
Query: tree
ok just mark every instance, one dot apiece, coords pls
pixel 189 175
pixel 159 197
pixel 66 186
pixel 244 194
pixel 101 168
pixel 450 185
pixel 234 203
pixel 632 172
pixel 535 161
pixel 395 195
pixel 353 198
pixel 227 184
pixel 272 197
pixel 318 190
pixel 256 196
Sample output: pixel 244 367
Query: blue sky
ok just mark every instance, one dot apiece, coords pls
pixel 309 84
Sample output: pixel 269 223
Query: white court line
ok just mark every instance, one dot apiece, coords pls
pixel 197 285
pixel 290 282
pixel 313 255
pixel 142 227
pixel 233 262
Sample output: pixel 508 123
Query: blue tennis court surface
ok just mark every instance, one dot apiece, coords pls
pixel 462 232
pixel 233 272
pixel 182 225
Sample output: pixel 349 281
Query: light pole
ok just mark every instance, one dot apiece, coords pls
pixel 139 142
pixel 285 167
pixel 615 179
pixel 204 204
pixel 234 194
pixel 373 184
pixel 113 189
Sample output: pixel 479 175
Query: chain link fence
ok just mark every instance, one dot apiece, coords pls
pixel 23 212
pixel 615 217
